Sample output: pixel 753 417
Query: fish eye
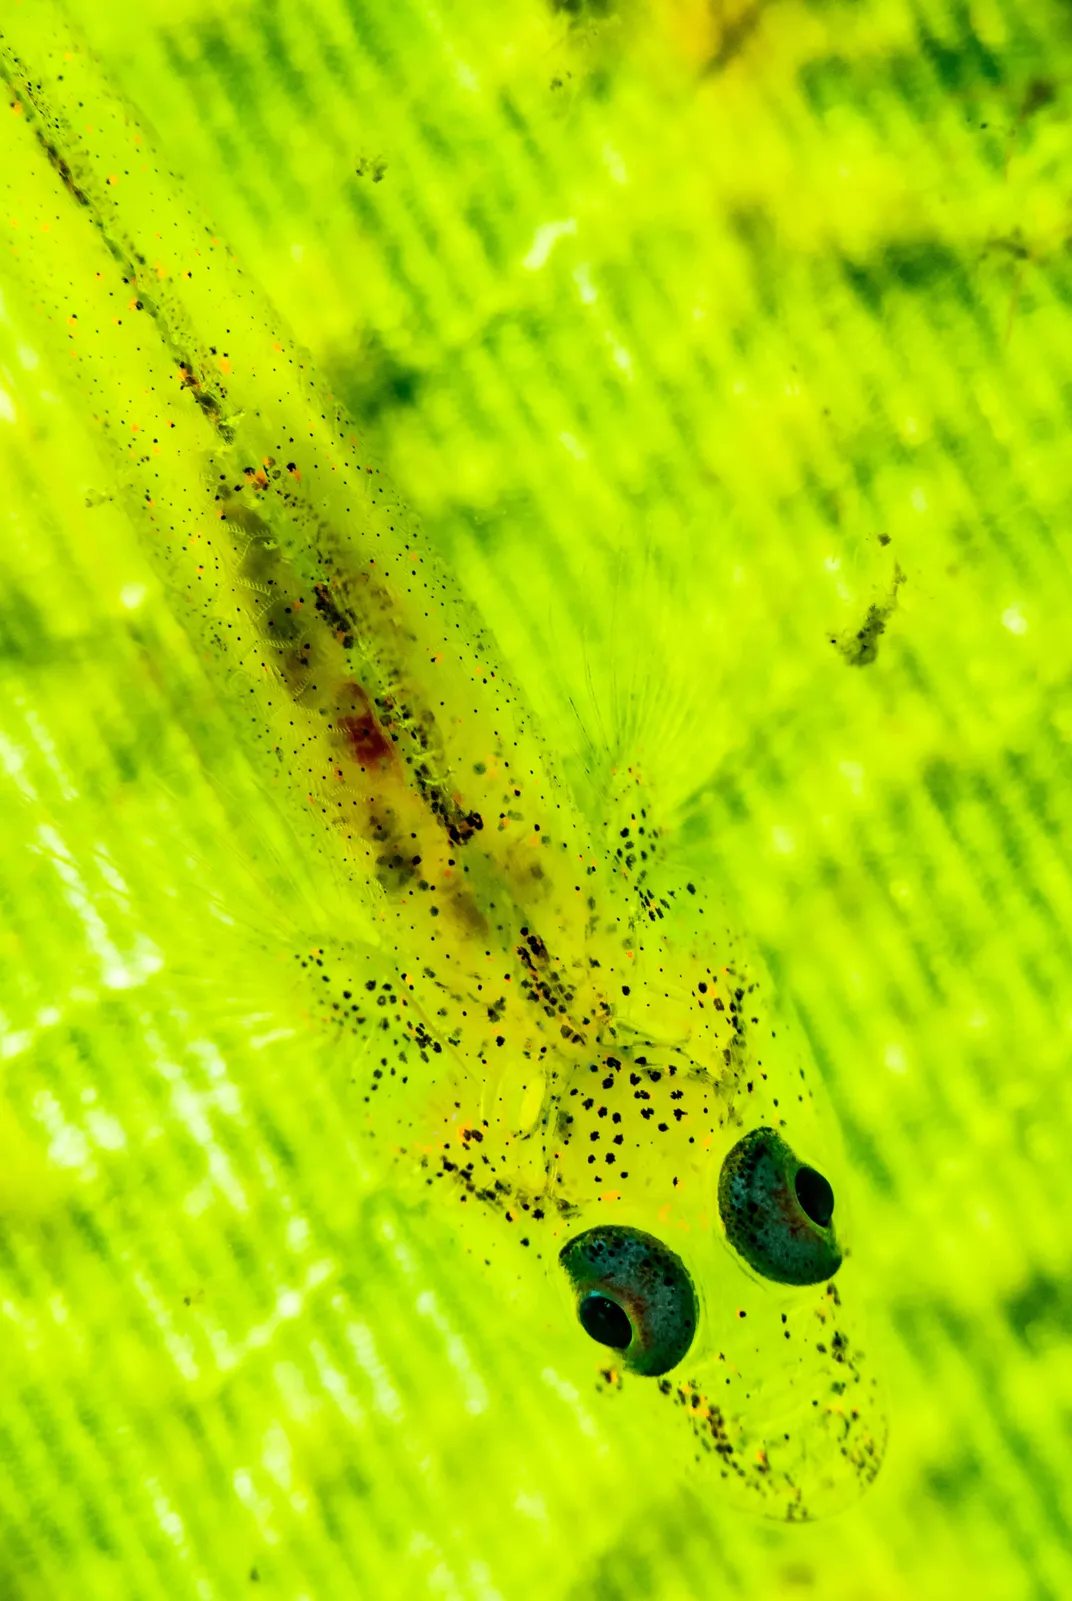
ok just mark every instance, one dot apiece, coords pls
pixel 632 1294
pixel 778 1212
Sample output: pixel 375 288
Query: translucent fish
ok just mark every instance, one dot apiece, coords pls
pixel 548 1026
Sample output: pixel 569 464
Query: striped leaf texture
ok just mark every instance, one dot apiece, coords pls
pixel 720 352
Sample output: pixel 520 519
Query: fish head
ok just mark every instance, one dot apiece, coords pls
pixel 697 1195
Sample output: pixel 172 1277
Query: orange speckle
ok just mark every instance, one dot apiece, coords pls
pixel 224 364
pixel 17 108
pixel 113 178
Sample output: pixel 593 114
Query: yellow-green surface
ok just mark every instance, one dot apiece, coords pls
pixel 692 333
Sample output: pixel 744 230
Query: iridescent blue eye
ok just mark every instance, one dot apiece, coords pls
pixel 634 1295
pixel 778 1212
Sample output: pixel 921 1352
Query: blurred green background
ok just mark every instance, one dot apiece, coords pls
pixel 702 337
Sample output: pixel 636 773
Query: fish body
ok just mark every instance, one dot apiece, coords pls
pixel 561 1034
